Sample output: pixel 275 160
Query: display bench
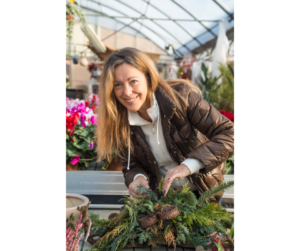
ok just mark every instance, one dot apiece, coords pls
pixel 106 188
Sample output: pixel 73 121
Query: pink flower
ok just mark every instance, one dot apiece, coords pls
pixel 94 120
pixel 75 160
pixel 91 145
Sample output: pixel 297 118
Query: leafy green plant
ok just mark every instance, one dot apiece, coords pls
pixel 209 84
pixel 229 165
pixel 195 225
pixel 71 11
pixel 219 91
pixel 79 143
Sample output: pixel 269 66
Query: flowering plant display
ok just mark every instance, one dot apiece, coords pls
pixel 81 119
pixel 227 114
pixel 73 233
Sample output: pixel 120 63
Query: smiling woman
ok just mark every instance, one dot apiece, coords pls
pixel 160 128
pixel 131 88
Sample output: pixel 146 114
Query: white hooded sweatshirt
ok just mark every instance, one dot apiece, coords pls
pixel 155 139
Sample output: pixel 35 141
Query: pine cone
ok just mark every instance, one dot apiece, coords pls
pixel 112 215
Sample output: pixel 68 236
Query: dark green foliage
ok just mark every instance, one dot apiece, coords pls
pixel 229 165
pixel 197 220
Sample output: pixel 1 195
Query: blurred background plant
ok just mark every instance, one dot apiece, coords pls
pixel 229 165
pixel 219 91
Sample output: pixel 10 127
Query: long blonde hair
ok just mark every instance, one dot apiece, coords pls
pixel 112 127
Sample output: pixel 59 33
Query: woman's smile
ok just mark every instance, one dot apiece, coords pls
pixel 131 101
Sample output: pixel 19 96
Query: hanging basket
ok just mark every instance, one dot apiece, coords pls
pixel 70 18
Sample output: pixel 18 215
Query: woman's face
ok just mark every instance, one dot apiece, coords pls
pixel 131 87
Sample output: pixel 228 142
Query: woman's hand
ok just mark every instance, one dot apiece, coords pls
pixel 133 184
pixel 180 171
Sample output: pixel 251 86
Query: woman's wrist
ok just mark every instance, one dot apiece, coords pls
pixel 140 175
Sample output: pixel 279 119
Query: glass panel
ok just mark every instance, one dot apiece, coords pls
pixel 152 36
pixel 203 9
pixel 227 5
pixel 192 45
pixel 122 8
pixel 205 37
pixel 108 23
pixel 162 32
pixel 183 50
pixel 110 12
pixel 175 30
pixel 193 27
pixel 138 5
pixel 154 13
pixel 171 9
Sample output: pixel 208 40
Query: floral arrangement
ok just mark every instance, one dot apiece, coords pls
pixel 227 114
pixel 73 233
pixel 179 219
pixel 81 119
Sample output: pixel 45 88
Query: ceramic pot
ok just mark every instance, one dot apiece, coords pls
pixel 71 167
pixel 73 201
pixel 115 164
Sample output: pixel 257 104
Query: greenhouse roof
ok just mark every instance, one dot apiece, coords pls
pixel 186 24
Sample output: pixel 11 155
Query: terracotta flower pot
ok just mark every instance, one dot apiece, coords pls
pixel 71 167
pixel 115 165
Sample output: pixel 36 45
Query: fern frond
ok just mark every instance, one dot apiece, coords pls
pixel 214 191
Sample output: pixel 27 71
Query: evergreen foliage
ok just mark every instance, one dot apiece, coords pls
pixel 194 226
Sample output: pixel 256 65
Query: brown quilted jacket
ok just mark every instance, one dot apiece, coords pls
pixel 203 133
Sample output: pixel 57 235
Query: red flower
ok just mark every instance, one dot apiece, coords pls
pixel 93 108
pixel 86 104
pixel 74 118
pixel 227 114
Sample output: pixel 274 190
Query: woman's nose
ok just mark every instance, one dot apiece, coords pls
pixel 127 90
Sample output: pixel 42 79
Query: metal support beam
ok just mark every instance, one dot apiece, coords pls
pixel 209 30
pixel 178 25
pixel 229 14
pixel 182 44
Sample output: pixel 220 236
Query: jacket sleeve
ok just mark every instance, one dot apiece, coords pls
pixel 216 127
pixel 134 167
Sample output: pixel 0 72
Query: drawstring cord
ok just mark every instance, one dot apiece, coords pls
pixel 157 126
pixel 128 149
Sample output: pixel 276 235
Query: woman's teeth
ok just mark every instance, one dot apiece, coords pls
pixel 131 100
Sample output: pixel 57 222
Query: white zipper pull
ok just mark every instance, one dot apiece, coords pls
pixel 153 128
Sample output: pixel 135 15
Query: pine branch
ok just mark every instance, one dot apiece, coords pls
pixel 140 189
pixel 214 191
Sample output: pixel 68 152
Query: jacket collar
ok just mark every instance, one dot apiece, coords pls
pixel 164 101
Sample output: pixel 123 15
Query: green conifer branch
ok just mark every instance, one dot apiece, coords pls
pixel 214 191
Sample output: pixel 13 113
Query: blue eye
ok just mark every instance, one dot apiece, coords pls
pixel 133 81
pixel 117 85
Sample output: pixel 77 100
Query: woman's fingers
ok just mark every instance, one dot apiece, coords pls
pixel 180 171
pixel 167 183
pixel 137 182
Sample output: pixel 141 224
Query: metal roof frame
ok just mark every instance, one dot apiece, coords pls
pixel 182 44
pixel 125 25
pixel 144 16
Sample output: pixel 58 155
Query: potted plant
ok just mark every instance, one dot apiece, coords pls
pixel 80 132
